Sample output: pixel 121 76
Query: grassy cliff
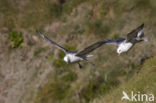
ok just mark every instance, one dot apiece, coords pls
pixel 33 71
pixel 143 82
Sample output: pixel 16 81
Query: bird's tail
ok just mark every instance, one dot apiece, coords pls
pixel 88 56
pixel 145 39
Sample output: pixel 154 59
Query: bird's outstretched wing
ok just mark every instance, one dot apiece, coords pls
pixel 115 41
pixel 134 33
pixel 90 48
pixel 52 42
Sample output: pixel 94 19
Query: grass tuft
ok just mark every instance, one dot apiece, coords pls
pixel 16 39
pixel 39 50
pixel 58 63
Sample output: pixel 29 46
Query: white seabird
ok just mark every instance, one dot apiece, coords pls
pixel 125 44
pixel 75 57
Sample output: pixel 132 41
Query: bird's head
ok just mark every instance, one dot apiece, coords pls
pixel 66 59
pixel 119 51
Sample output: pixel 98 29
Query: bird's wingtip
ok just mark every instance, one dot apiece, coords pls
pixel 142 25
pixel 40 34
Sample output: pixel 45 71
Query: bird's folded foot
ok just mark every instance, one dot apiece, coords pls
pixel 80 66
pixel 92 63
pixel 89 62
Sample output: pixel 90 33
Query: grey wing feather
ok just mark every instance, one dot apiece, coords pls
pixel 90 48
pixel 133 34
pixel 115 41
pixel 52 42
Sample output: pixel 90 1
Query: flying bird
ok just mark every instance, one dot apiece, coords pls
pixel 75 57
pixel 125 44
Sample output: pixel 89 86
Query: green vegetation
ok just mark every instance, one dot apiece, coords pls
pixel 37 13
pixel 75 24
pixel 70 4
pixel 61 55
pixel 58 63
pixel 96 87
pixel 142 82
pixel 53 91
pixel 51 55
pixel 99 28
pixel 70 48
pixel 39 50
pixel 115 36
pixel 106 77
pixel 70 77
pixel 9 12
pixel 57 89
pixel 16 39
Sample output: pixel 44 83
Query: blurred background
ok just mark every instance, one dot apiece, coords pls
pixel 33 71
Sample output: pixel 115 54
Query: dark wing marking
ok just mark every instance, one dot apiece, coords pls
pixel 52 42
pixel 115 41
pixel 134 33
pixel 90 48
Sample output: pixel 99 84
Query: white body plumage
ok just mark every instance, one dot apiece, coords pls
pixel 124 47
pixel 72 58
